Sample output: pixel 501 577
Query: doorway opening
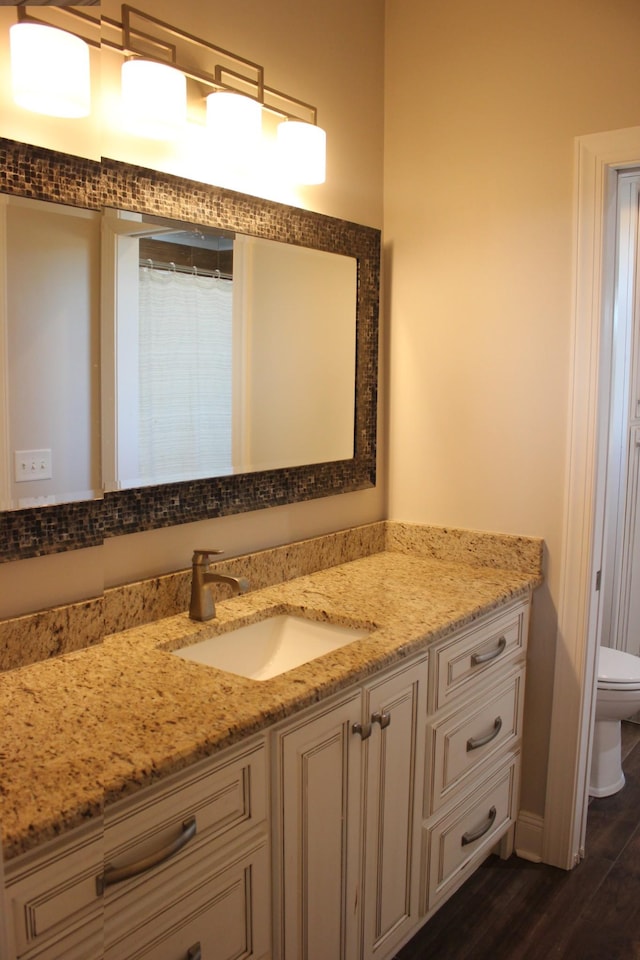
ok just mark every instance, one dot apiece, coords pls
pixel 620 600
pixel 600 158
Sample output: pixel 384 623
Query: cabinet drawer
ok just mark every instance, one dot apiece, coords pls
pixel 472 735
pixel 223 798
pixel 52 895
pixel 227 801
pixel 227 916
pixel 476 655
pixel 454 844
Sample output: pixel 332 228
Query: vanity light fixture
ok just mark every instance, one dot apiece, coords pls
pixel 302 151
pixel 49 70
pixel 154 99
pixel 159 60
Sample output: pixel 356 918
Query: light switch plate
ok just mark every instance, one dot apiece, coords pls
pixel 32 465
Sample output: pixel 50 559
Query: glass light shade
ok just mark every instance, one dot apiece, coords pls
pixel 235 122
pixel 302 149
pixel 49 70
pixel 154 99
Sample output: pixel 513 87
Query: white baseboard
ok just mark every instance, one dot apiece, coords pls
pixel 528 843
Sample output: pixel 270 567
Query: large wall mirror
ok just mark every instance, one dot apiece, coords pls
pixel 172 351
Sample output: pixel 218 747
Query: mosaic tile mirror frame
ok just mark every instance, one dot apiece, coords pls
pixel 42 174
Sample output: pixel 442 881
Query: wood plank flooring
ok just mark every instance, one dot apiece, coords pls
pixel 524 911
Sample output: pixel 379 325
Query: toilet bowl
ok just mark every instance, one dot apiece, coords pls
pixel 618 697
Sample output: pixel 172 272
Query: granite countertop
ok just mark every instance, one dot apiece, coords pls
pixel 84 729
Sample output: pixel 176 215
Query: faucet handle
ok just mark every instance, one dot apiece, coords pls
pixel 202 556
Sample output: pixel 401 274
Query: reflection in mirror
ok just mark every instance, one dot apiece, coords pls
pixel 50 446
pixel 223 353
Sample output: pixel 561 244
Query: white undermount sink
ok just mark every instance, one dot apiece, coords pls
pixel 272 646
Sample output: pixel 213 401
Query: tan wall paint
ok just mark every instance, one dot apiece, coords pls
pixel 330 54
pixel 483 102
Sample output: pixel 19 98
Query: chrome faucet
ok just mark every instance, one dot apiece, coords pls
pixel 202 606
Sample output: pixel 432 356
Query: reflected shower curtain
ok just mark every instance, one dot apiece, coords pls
pixel 185 334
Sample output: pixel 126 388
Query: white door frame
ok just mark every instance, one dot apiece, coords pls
pixel 5 443
pixel 620 484
pixel 598 158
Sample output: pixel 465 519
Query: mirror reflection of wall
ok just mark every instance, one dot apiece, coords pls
pixel 230 354
pixel 50 447
pixel 297 371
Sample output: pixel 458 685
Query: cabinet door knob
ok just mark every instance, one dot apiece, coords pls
pixel 472 835
pixel 364 729
pixel 384 719
pixel 474 742
pixel 478 658
pixel 113 875
pixel 195 952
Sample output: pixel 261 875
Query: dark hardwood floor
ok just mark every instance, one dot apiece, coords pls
pixel 525 911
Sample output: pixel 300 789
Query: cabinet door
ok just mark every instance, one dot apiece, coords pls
pixel 318 833
pixel 393 763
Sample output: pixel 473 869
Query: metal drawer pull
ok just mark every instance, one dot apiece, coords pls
pixel 195 952
pixel 478 658
pixel 474 742
pixel 364 729
pixel 384 719
pixel 113 875
pixel 472 835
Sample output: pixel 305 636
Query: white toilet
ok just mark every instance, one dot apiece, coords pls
pixel 617 699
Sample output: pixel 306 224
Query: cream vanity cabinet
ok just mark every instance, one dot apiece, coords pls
pixel 348 783
pixel 384 799
pixel 474 728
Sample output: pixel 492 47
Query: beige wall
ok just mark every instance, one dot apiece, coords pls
pixel 330 54
pixel 483 102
